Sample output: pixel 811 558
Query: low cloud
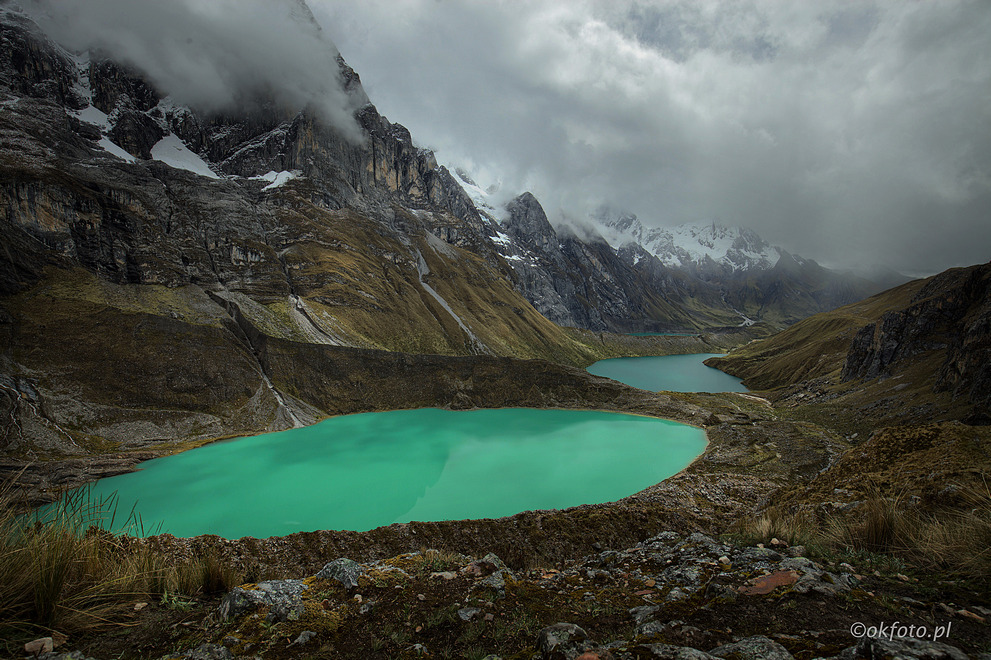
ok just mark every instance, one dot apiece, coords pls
pixel 211 55
pixel 851 133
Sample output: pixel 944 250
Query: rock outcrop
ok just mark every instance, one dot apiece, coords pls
pixel 951 314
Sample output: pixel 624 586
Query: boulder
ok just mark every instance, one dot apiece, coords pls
pixel 284 598
pixel 902 648
pixel 753 648
pixel 562 640
pixel 344 571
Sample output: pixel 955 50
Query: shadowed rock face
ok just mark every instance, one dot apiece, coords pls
pixel 951 314
pixel 31 66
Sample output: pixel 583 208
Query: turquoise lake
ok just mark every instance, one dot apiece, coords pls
pixel 673 373
pixel 358 472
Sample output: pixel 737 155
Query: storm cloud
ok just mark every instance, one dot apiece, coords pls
pixel 852 133
pixel 211 55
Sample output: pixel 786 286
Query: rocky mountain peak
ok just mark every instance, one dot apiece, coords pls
pixel 528 223
pixel 301 13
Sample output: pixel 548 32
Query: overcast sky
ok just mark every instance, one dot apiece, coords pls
pixel 848 132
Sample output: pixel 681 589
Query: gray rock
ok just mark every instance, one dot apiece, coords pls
pixel 722 592
pixel 701 539
pixel 491 558
pixel 662 541
pixel 343 570
pixel 496 581
pixel 823 582
pixel 756 555
pixel 208 652
pixel 687 576
pixel 68 655
pixel 669 652
pixel 753 648
pixel 561 638
pixel 285 611
pixel 902 649
pixel 284 597
pixel 642 613
pixel 468 613
pixel 488 565
pixel 303 638
pixel 650 628
pixel 797 564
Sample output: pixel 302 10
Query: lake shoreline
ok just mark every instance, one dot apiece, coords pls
pixel 723 483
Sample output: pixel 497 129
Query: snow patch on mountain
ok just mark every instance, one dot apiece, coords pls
pixel 171 151
pixel 278 179
pixel 92 115
pixel 114 150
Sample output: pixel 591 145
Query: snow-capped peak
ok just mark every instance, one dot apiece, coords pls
pixel 698 245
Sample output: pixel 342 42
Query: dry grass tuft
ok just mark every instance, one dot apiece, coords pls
pixel 952 540
pixel 60 571
pixel 799 529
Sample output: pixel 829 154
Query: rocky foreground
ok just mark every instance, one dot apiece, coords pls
pixel 671 596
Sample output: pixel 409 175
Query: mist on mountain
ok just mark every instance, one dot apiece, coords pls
pixel 212 55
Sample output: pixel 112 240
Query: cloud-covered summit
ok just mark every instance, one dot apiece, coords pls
pixel 847 132
pixel 211 55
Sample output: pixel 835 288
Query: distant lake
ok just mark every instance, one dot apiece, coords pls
pixel 673 373
pixel 358 472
